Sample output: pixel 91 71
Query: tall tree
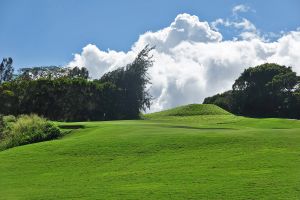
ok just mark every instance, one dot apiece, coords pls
pixel 268 90
pixel 6 70
pixel 265 90
pixel 133 80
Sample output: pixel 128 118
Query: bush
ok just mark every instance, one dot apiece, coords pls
pixel 28 129
pixel 8 119
pixel 5 125
pixel 1 127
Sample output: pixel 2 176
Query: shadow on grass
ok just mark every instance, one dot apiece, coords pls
pixel 199 128
pixel 71 126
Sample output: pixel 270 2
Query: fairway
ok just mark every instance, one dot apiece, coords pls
pixel 164 156
pixel 150 100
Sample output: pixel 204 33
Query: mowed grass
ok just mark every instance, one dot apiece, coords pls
pixel 161 157
pixel 191 110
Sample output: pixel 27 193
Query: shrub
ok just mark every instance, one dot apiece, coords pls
pixel 5 125
pixel 1 127
pixel 8 119
pixel 29 129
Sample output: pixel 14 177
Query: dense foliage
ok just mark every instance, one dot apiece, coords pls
pixel 26 129
pixel 133 80
pixel 60 99
pixel 267 90
pixel 68 95
pixel 223 100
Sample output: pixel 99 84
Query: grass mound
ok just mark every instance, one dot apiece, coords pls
pixel 191 110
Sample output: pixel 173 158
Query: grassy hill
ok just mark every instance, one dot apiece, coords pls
pixel 197 154
pixel 191 110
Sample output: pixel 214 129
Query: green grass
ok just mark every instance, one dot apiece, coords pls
pixel 163 157
pixel 191 110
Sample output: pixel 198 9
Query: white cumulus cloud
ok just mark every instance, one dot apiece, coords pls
pixel 192 61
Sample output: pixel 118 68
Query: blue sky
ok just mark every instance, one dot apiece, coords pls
pixel 48 32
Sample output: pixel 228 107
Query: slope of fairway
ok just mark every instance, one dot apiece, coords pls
pixel 190 110
pixel 191 157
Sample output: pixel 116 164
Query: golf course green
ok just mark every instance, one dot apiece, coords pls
pixel 190 152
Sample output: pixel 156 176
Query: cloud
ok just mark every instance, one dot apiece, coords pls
pixel 243 28
pixel 99 62
pixel 246 29
pixel 240 8
pixel 192 61
pixel 184 28
pixel 243 24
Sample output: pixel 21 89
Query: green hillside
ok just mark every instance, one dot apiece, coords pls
pixel 190 110
pixel 190 152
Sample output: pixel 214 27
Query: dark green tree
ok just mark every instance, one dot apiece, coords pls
pixel 268 90
pixel 67 99
pixel 223 100
pixel 133 80
pixel 265 90
pixel 77 72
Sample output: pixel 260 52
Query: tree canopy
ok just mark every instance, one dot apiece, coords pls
pixel 133 80
pixel 267 90
pixel 67 93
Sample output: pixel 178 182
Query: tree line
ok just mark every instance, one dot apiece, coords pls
pixel 67 94
pixel 267 90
